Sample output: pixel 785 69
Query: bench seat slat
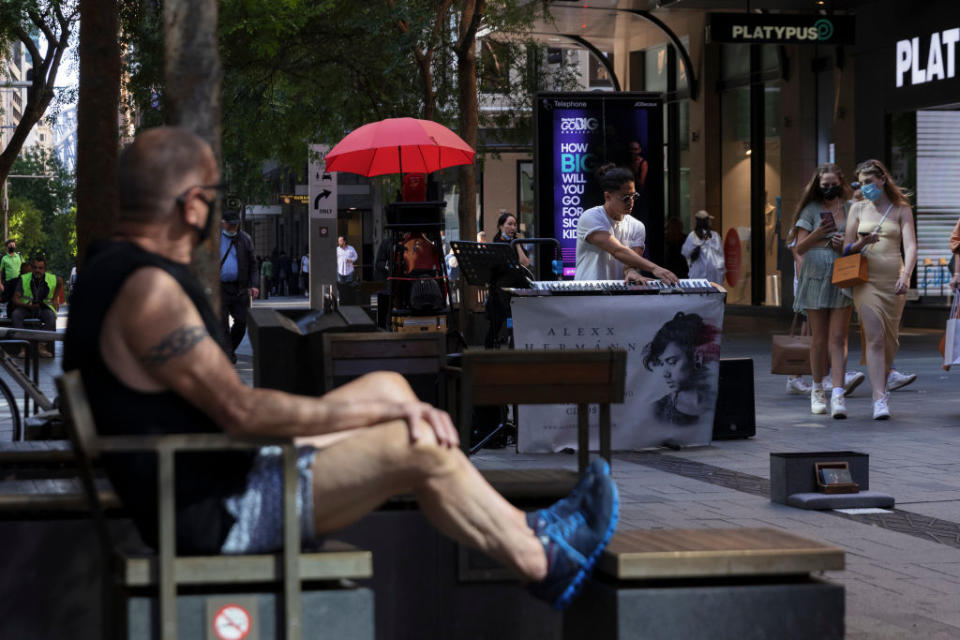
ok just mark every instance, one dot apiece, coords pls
pixel 337 561
pixel 689 553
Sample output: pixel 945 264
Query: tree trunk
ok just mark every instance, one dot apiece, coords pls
pixel 192 79
pixel 97 129
pixel 469 110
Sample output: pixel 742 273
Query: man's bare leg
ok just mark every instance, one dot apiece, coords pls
pixel 354 475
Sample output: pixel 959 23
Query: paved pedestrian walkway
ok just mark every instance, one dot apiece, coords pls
pixel 903 569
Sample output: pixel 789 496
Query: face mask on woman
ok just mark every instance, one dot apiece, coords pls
pixel 830 192
pixel 871 192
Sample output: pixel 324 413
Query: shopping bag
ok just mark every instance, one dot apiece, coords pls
pixel 951 340
pixel 790 353
pixel 849 271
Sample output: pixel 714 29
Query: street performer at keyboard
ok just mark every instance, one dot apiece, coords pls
pixel 609 240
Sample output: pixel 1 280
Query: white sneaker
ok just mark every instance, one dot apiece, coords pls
pixel 818 401
pixel 897 380
pixel 796 386
pixel 838 406
pixel 880 409
pixel 852 380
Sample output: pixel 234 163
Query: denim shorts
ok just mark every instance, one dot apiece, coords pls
pixel 258 511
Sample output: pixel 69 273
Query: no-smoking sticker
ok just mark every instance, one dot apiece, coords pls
pixel 231 622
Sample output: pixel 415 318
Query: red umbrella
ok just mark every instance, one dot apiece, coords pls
pixel 399 145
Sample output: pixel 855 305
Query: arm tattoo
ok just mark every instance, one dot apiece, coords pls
pixel 179 342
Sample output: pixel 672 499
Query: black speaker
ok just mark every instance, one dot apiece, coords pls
pixel 735 416
pixel 415 213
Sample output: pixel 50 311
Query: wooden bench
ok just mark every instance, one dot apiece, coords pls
pixel 39 479
pixel 582 378
pixel 419 357
pixel 710 583
pixel 331 607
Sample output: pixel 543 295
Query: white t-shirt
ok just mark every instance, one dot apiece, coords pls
pixel 593 263
pixel 345 259
pixel 304 264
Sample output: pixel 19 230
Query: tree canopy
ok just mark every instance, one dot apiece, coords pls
pixel 43 210
pixel 302 71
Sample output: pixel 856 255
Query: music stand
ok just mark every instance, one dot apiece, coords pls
pixel 482 263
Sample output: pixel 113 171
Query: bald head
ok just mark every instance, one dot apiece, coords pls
pixel 158 166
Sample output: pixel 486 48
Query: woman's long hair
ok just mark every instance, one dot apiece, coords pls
pixel 877 169
pixel 812 191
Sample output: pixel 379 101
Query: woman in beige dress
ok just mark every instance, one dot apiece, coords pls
pixel 876 226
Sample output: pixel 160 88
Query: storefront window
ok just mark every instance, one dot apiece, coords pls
pixel 528 222
pixel 772 213
pixel 737 158
pixel 924 148
pixel 735 176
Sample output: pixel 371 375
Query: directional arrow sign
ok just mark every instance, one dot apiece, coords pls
pixel 322 186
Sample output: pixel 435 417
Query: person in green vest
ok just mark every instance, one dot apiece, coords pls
pixel 36 296
pixel 9 272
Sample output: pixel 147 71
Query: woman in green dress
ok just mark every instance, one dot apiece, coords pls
pixel 818 227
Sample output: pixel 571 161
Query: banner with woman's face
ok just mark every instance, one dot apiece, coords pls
pixel 673 348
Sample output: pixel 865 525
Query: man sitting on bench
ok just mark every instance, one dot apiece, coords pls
pixel 142 333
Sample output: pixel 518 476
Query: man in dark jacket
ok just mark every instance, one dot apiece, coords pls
pixel 239 279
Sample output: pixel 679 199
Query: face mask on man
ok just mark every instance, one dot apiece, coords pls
pixel 871 192
pixel 11 249
pixel 206 230
pixel 230 234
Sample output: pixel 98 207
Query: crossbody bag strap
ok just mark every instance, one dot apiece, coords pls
pixel 879 224
pixel 233 244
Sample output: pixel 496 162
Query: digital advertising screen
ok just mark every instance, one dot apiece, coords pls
pixel 576 133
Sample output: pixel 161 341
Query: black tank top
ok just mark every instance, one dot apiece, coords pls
pixel 203 480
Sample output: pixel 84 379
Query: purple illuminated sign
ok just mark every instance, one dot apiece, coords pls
pixel 576 133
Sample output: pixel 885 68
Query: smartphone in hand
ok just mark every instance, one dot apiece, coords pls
pixel 826 218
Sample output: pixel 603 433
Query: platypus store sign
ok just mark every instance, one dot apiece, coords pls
pixel 752 28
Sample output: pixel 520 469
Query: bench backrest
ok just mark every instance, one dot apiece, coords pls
pixel 419 357
pixel 543 377
pixel 80 417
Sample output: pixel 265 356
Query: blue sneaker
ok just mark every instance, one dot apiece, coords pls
pixel 566 506
pixel 574 534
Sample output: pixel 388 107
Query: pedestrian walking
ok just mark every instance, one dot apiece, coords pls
pixel 817 228
pixel 283 274
pixel 305 272
pixel 239 280
pixel 346 257
pixel 877 226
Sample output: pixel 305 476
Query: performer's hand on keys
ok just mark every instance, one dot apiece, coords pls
pixel 633 277
pixel 665 275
